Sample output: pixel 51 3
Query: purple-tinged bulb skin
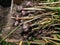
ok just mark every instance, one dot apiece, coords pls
pixel 23 12
pixel 16 23
pixel 29 3
pixel 20 7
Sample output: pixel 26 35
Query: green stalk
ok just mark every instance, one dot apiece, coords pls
pixel 51 38
pixel 57 28
pixel 58 36
pixel 53 8
pixel 28 43
pixel 48 1
pixel 48 24
pixel 53 42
